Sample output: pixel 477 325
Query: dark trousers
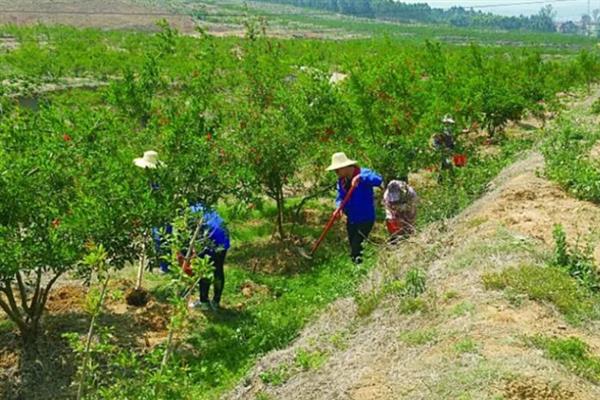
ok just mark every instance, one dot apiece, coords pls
pixel 357 233
pixel 218 260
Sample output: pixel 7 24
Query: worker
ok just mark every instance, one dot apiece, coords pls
pixel 443 143
pixel 360 208
pixel 400 202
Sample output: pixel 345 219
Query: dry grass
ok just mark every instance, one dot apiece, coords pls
pixel 477 351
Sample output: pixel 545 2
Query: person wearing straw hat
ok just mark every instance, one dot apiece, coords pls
pixel 360 208
pixel 214 236
pixel 148 160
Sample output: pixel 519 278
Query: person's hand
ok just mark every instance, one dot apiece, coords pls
pixel 356 181
pixel 337 215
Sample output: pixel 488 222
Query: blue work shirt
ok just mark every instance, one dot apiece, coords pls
pixel 213 228
pixel 361 206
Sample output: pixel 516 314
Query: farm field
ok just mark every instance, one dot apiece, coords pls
pixel 496 294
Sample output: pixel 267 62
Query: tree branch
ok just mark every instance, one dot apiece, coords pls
pixel 38 281
pixel 22 293
pixel 46 292
pixel 12 314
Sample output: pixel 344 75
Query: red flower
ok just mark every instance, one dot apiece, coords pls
pixel 66 138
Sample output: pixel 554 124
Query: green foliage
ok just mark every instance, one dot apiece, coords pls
pixel 567 161
pixel 407 289
pixel 276 376
pixel 415 282
pixel 466 345
pixel 463 308
pixel 596 106
pixel 578 263
pixel 413 305
pixel 418 337
pixel 572 352
pixel 549 284
pixel 234 119
pixel 310 360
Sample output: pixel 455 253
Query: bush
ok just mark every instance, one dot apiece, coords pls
pixel 579 264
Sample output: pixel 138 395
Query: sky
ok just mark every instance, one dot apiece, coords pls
pixel 565 9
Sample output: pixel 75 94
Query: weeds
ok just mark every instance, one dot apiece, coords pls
pixel 466 345
pixel 418 337
pixel 549 284
pixel 407 289
pixel 572 352
pixel 578 263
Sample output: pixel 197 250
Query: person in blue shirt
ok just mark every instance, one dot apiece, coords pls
pixel 216 242
pixel 360 209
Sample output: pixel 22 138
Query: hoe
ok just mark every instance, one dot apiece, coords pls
pixel 309 255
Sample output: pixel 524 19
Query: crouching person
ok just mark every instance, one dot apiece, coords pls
pixel 400 203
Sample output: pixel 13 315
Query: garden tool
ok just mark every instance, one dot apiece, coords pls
pixel 328 226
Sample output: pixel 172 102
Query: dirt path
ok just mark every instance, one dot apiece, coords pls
pixel 469 344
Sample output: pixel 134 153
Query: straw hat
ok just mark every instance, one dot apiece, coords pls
pixel 339 160
pixel 149 160
pixel 447 119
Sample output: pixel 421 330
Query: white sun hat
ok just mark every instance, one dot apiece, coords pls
pixel 447 119
pixel 337 77
pixel 149 160
pixel 339 160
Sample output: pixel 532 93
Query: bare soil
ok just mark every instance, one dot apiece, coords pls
pixel 109 14
pixel 45 371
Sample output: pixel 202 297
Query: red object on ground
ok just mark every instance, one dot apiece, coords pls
pixel 393 226
pixel 66 138
pixel 332 220
pixel 460 160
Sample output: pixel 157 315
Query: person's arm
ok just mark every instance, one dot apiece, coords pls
pixel 340 196
pixel 371 178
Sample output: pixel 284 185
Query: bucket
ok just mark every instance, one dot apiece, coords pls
pixel 459 160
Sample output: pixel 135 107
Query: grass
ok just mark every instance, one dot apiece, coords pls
pixel 548 284
pixel 567 162
pixel 466 345
pixel 407 289
pixel 571 352
pixel 276 376
pixel 462 309
pixel 307 360
pixel 418 337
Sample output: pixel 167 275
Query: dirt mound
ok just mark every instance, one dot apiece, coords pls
pixel 66 298
pixel 523 389
pixel 137 297
pixel 469 340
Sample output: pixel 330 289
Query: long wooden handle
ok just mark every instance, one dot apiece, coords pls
pixel 332 219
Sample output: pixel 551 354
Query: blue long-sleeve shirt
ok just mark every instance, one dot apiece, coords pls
pixel 361 206
pixel 213 229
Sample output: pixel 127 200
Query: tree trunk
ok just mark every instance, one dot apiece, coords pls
pixel 88 342
pixel 28 314
pixel 280 210
pixel 140 274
